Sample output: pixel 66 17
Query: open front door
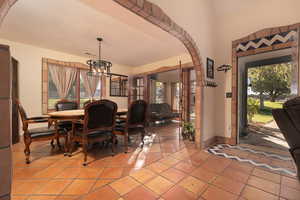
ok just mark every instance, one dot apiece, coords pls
pixel 5 122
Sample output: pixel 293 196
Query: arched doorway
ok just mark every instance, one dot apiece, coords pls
pixel 155 15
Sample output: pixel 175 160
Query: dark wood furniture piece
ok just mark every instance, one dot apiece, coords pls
pixel 161 112
pixel 135 122
pixel 118 85
pixel 98 125
pixel 38 134
pixel 288 120
pixel 15 96
pixel 63 105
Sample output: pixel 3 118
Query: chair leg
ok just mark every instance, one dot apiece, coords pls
pixel 126 142
pixel 71 147
pixel 142 137
pixel 85 148
pixel 27 142
pixel 113 144
pixel 52 143
pixel 58 142
pixel 66 146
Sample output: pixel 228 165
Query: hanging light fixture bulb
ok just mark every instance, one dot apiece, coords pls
pixel 99 67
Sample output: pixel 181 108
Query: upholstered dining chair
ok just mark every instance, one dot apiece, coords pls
pixel 97 126
pixel 288 120
pixel 63 105
pixel 38 134
pixel 136 121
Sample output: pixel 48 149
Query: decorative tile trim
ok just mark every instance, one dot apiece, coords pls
pixel 268 41
pixel 216 151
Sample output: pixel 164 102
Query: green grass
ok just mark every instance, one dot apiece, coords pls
pixel 265 115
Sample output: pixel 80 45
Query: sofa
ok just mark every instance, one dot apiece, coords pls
pixel 161 112
pixel 288 120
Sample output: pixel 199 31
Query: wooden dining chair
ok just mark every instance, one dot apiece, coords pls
pixel 38 134
pixel 98 126
pixel 136 121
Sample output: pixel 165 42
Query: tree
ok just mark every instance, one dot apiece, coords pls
pixel 252 108
pixel 272 80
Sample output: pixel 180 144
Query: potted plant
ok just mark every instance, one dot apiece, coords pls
pixel 188 131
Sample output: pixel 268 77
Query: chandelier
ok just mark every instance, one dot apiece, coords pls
pixel 99 67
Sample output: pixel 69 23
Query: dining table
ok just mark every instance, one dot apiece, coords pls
pixel 75 114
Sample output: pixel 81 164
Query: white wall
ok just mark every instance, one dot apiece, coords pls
pixel 197 18
pixel 235 19
pixel 30 70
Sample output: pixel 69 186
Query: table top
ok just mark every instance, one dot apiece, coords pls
pixel 76 113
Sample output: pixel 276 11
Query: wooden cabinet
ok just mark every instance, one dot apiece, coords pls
pixel 15 96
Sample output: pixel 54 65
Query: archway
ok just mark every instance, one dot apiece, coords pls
pixel 155 15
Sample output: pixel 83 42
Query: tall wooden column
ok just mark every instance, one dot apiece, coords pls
pixel 5 123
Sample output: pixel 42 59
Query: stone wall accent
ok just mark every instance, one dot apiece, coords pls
pixel 268 33
pixel 155 15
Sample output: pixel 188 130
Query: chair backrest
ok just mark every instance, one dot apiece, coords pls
pixel 88 102
pixel 66 105
pixel 137 113
pixel 22 114
pixel 292 107
pixel 100 115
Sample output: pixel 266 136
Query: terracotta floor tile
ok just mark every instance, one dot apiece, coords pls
pixel 289 193
pixel 265 185
pixel 88 172
pixel 159 185
pixel 25 173
pixel 214 193
pixel 242 167
pixel 79 187
pixel 139 192
pixel 216 165
pixel 19 197
pixel 113 172
pixel 290 182
pixel 173 175
pixel 266 175
pixel 105 192
pixel 124 185
pixel 68 173
pixel 157 167
pixel 251 193
pixel 143 175
pixel 204 175
pixel 101 183
pixel 30 187
pixel 185 166
pixel 235 175
pixel 42 197
pixel 62 197
pixel 179 193
pixel 54 187
pixel 49 172
pixel 193 185
pixel 169 161
pixel 229 185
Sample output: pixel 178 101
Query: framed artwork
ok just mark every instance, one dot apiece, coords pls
pixel 210 68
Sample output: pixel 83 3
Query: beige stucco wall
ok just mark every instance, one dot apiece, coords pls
pixel 235 19
pixel 197 18
pixel 30 70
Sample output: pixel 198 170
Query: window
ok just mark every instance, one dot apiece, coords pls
pixel 160 92
pixel 118 86
pixel 81 86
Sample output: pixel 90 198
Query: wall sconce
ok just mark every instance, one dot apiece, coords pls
pixel 224 68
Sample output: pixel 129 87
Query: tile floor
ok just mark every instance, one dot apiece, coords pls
pixel 165 169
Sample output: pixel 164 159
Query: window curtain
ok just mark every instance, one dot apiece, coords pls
pixel 63 78
pixel 90 83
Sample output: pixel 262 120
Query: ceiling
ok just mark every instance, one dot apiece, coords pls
pixel 71 26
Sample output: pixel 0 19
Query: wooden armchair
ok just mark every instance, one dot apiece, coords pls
pixel 38 134
pixel 135 122
pixel 98 125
